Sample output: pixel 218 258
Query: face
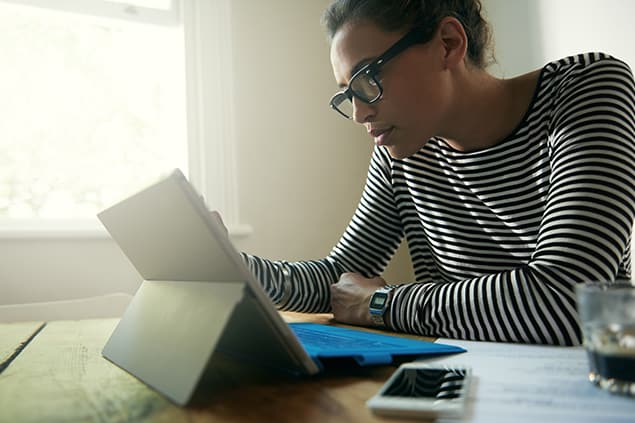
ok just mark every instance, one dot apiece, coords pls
pixel 416 89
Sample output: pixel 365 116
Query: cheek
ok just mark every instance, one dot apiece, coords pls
pixel 415 103
pixel 423 99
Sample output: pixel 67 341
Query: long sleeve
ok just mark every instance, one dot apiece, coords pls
pixel 584 231
pixel 372 237
pixel 498 238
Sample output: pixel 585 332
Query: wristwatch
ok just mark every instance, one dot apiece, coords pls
pixel 286 287
pixel 379 304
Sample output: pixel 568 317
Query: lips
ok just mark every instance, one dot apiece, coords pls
pixel 380 134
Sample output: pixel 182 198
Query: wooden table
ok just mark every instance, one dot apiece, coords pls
pixel 60 376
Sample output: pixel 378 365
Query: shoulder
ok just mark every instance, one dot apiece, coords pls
pixel 592 60
pixel 586 86
pixel 586 67
pixel 589 94
pixel 380 164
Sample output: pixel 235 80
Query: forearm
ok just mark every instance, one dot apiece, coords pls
pixel 305 288
pixel 515 306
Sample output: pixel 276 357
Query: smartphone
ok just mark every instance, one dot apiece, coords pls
pixel 423 390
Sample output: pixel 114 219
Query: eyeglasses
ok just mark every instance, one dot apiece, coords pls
pixel 364 84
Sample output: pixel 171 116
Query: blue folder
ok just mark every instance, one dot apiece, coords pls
pixel 326 342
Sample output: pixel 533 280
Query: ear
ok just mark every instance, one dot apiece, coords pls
pixel 454 41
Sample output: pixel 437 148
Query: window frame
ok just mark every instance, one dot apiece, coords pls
pixel 117 9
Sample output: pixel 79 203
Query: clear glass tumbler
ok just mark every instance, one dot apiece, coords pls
pixel 607 315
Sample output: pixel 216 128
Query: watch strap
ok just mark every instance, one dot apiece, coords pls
pixel 286 287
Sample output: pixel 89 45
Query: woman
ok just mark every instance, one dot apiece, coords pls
pixel 509 191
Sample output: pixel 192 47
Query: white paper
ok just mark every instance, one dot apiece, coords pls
pixel 517 383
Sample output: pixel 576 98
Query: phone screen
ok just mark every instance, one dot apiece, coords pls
pixel 427 383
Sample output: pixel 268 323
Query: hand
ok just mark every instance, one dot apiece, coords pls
pixel 350 297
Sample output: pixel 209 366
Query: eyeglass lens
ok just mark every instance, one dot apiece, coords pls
pixel 343 104
pixel 364 87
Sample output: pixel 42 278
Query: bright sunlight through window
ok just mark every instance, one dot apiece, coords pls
pixel 92 110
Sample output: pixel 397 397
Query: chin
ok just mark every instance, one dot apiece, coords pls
pixel 399 153
pixel 404 147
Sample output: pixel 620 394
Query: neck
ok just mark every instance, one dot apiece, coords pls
pixel 487 109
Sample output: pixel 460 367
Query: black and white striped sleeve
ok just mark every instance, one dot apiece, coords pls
pixel 372 237
pixel 584 232
pixel 375 231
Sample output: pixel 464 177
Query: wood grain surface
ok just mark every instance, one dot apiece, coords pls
pixel 14 337
pixel 61 376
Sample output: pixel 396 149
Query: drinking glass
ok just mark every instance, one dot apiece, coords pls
pixel 607 315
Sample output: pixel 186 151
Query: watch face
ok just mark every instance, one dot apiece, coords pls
pixel 378 300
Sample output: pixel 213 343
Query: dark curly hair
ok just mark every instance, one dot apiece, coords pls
pixel 394 15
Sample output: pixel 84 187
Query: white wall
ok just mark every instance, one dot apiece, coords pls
pixel 35 270
pixel 515 25
pixel 575 26
pixel 301 167
pixel 530 33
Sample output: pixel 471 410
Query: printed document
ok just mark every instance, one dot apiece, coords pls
pixel 518 383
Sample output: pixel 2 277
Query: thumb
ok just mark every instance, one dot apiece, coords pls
pixel 218 219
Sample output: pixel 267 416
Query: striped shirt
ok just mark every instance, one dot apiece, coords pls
pixel 499 237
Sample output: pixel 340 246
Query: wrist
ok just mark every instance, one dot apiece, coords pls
pixel 379 304
pixel 285 287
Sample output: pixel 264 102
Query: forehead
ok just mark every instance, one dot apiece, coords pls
pixel 355 44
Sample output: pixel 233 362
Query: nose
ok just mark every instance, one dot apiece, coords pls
pixel 362 112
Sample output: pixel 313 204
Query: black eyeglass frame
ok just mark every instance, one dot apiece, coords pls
pixel 372 69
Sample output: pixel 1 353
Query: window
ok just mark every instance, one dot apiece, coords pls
pixel 93 109
pixel 95 102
